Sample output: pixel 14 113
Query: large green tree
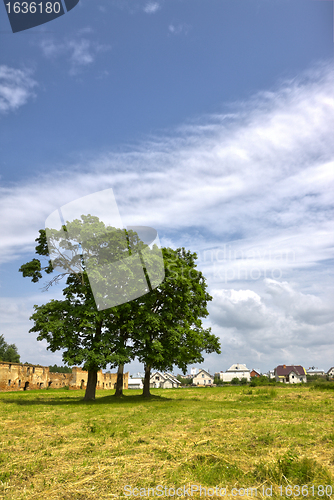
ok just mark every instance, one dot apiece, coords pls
pixel 8 352
pixel 89 337
pixel 162 327
pixel 170 318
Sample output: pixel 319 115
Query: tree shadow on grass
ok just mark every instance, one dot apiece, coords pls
pixel 61 399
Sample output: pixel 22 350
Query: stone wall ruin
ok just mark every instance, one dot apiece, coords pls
pixel 18 377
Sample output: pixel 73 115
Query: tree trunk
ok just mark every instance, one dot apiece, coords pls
pixel 146 389
pixel 91 385
pixel 119 382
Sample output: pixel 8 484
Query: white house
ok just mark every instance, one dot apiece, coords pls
pixel 203 378
pixel 135 383
pixel 237 370
pixel 292 374
pixel 165 380
pixel 316 372
pixel 330 372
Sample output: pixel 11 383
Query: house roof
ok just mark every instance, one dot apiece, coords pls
pixel 238 367
pixel 332 368
pixel 172 378
pixel 135 381
pixel 166 376
pixel 284 370
pixel 203 371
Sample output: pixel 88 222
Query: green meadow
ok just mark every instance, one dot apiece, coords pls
pixel 56 446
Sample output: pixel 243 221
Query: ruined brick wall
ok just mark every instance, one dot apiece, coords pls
pixel 58 380
pixel 104 380
pixel 16 377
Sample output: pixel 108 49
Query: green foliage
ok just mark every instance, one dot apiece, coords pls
pixel 263 380
pixel 60 369
pixel 323 385
pixel 170 316
pixel 8 352
pixel 235 381
pixel 314 378
pixel 161 328
pixel 184 380
pixel 88 337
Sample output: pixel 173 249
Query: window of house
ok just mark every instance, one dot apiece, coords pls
pixel 202 375
pixel 9 382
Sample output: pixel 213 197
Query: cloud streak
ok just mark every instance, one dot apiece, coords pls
pixel 151 7
pixel 80 51
pixel 16 88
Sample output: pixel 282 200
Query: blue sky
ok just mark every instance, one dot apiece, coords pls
pixel 213 123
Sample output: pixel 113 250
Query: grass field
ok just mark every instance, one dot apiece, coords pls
pixel 56 446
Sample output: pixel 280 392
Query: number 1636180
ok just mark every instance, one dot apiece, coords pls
pixel 32 7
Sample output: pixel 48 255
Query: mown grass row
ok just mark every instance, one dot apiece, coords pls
pixel 56 446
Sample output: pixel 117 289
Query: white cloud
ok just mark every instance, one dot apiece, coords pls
pixel 304 308
pixel 240 309
pixel 79 51
pixel 151 7
pixel 178 29
pixel 284 328
pixel 15 325
pixel 15 88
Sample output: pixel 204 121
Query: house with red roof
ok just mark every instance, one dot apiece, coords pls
pixel 290 374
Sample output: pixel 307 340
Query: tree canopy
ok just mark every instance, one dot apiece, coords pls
pixel 171 318
pixel 89 337
pixel 8 352
pixel 157 321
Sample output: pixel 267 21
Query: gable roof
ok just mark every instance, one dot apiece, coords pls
pixel 332 368
pixel 285 370
pixel 238 367
pixel 172 378
pixel 166 376
pixel 204 371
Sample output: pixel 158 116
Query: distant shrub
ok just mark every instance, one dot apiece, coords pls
pixel 184 380
pixel 263 380
pixel 60 369
pixel 322 385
